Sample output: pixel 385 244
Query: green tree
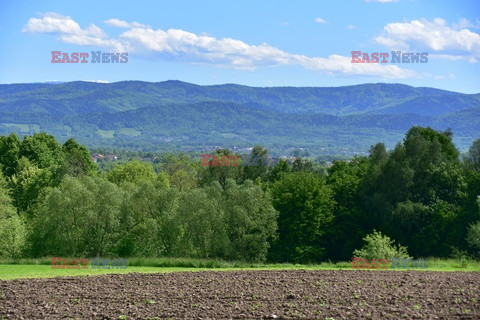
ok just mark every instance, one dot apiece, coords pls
pixel 77 159
pixel 350 221
pixel 250 219
pixel 473 236
pixel 132 172
pixel 78 217
pixel 279 170
pixel 415 193
pixel 257 164
pixel 12 227
pixel 149 225
pixel 473 156
pixel 379 246
pixel 305 205
pixel 9 151
pixel 27 185
pixel 203 222
pixel 181 171
pixel 218 172
pixel 42 150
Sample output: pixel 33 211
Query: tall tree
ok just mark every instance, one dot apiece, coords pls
pixel 350 221
pixel 415 192
pixel 42 150
pixel 305 204
pixel 9 154
pixel 78 161
pixel 27 185
pixel 12 227
pixel 250 219
pixel 473 156
pixel 132 172
pixel 257 164
pixel 78 217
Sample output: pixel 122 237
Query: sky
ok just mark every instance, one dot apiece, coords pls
pixel 256 43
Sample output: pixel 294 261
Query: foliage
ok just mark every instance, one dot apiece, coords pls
pixel 55 201
pixel 305 206
pixel 131 172
pixel 473 236
pixel 380 246
pixel 12 228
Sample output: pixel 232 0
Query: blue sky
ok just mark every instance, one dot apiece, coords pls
pixel 257 43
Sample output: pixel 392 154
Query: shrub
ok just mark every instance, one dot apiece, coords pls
pixel 473 236
pixel 380 247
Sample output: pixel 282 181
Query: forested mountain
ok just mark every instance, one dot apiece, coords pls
pixel 174 115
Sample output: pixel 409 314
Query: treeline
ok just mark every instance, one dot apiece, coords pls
pixel 55 202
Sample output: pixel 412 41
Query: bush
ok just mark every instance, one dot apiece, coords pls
pixel 473 236
pixel 380 247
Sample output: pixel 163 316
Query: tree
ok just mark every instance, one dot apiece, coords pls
pixel 77 159
pixel 379 246
pixel 203 222
pixel 132 172
pixel 415 193
pixel 149 221
pixel 250 219
pixel 9 150
pixel 257 164
pixel 279 170
pixel 42 150
pixel 78 217
pixel 305 204
pixel 473 236
pixel 350 220
pixel 12 227
pixel 181 172
pixel 473 156
pixel 220 171
pixel 27 185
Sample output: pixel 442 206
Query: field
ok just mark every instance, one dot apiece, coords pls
pixel 209 289
pixel 260 294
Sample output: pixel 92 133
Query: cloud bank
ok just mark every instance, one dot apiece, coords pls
pixel 454 43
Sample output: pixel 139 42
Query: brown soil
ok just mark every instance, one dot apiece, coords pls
pixel 342 294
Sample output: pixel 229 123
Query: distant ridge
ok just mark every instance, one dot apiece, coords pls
pixel 137 114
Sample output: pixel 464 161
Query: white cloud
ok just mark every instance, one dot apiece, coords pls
pixel 436 35
pixel 452 57
pixel 351 26
pixel 342 65
pixel 320 20
pixel 52 22
pixel 124 24
pixel 181 45
pixel 69 31
pixel 97 81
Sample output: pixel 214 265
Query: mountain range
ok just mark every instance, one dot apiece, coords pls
pixel 175 115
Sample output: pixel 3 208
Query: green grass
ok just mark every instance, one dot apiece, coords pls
pixel 106 133
pixel 23 128
pixel 129 132
pixel 10 272
pixel 42 268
